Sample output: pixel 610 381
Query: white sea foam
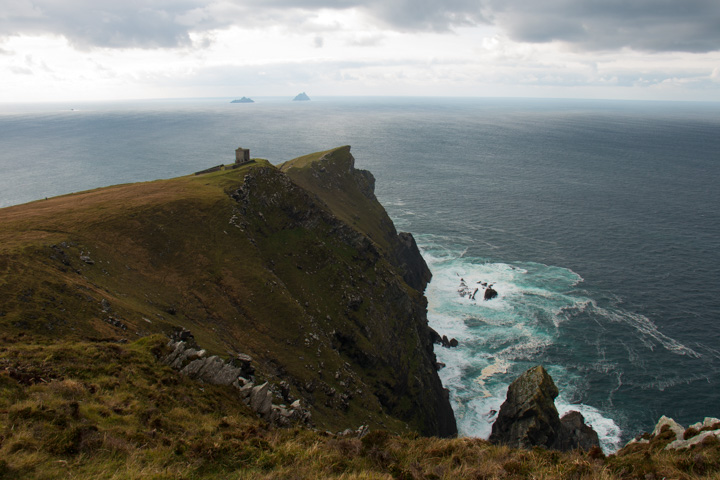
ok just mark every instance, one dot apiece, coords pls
pixel 648 330
pixel 500 338
pixel 608 431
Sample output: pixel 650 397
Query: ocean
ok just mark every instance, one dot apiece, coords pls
pixel 597 223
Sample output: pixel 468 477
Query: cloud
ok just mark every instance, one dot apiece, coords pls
pixel 101 23
pixel 643 25
pixel 20 70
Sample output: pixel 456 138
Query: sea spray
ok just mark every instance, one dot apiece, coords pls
pixel 501 337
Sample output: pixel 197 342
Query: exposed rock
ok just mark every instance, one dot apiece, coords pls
pixel 116 323
pixel 448 343
pixel 214 370
pixel 697 433
pixel 261 399
pixel 664 421
pixel 407 255
pixel 434 336
pixel 707 423
pixel 301 97
pixel 576 433
pixel 244 361
pixel 528 417
pixel 697 439
pixel 490 293
pixel 182 335
pixel 105 305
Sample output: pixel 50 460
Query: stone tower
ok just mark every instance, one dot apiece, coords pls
pixel 242 155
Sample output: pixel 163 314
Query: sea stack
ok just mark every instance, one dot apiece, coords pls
pixel 528 417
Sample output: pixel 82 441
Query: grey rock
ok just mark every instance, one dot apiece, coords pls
pixel 576 433
pixel 681 444
pixel 193 368
pixel 528 417
pixel 225 376
pixel 676 428
pixel 178 348
pixel 708 422
pixel 261 399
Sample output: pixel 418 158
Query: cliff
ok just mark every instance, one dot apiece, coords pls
pixel 251 260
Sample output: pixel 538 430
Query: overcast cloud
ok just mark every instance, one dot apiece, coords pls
pixel 102 49
pixel 645 25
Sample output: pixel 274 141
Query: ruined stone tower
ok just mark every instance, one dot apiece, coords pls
pixel 242 155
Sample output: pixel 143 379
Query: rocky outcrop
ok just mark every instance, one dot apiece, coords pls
pixel 576 434
pixel 407 256
pixel 528 417
pixel 490 293
pixel 676 437
pixel 194 363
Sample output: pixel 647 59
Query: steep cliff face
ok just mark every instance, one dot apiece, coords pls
pixel 349 194
pixel 396 314
pixel 252 261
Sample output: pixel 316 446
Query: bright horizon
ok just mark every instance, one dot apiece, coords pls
pixel 157 49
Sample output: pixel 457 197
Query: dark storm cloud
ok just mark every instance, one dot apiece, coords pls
pixel 90 23
pixel 647 25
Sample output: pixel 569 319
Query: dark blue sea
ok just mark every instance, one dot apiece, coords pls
pixel 598 223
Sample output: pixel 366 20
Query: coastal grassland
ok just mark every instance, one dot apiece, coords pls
pixel 110 410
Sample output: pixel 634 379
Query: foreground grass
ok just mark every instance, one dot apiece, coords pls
pixel 108 410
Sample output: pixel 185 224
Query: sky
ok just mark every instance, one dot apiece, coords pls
pixel 60 50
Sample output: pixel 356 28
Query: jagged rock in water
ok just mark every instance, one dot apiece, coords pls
pixel 490 293
pixel 576 433
pixel 434 336
pixel 528 417
pixel 448 343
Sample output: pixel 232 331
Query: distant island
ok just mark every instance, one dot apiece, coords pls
pixel 301 97
pixel 243 100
